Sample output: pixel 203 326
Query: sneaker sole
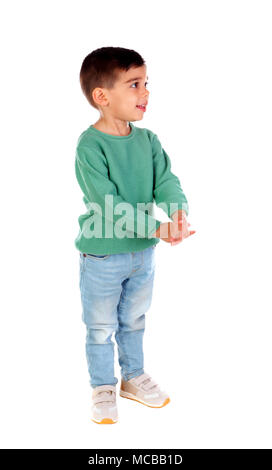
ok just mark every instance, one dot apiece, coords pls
pixel 104 421
pixel 132 397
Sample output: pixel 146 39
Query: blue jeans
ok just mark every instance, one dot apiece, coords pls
pixel 116 292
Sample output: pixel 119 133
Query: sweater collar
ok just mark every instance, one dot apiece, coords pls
pixel 115 137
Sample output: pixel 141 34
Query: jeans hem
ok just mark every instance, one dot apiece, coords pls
pixel 132 375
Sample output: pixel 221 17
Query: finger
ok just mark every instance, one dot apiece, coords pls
pixel 175 243
pixel 176 232
pixel 180 223
pixel 187 234
pixel 178 239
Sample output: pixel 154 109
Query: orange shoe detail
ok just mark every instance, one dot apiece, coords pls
pixel 150 406
pixel 105 421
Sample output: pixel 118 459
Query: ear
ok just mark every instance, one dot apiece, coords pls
pixel 99 96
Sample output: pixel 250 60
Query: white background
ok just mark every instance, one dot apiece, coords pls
pixel 208 331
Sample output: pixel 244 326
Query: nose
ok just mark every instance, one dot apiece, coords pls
pixel 146 93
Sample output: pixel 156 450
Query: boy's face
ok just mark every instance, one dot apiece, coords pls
pixel 128 93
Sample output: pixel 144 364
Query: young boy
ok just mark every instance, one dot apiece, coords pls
pixel 121 168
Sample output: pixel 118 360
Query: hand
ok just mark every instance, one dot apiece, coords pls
pixel 181 224
pixel 172 232
pixel 167 232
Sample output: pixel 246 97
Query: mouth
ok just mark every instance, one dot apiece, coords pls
pixel 142 106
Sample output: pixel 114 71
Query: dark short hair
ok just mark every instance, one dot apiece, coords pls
pixel 101 67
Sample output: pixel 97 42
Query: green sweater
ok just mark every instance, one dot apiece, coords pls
pixel 128 169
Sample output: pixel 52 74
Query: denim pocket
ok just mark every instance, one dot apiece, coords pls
pixel 98 257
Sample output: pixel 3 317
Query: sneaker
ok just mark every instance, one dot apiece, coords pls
pixel 144 390
pixel 104 408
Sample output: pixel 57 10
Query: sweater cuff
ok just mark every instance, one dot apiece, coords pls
pixel 182 205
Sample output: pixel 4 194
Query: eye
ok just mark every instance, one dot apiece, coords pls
pixel 136 83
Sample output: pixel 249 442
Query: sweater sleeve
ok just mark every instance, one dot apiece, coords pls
pixel 93 178
pixel 167 188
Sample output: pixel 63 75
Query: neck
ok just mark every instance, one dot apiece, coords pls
pixel 113 126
